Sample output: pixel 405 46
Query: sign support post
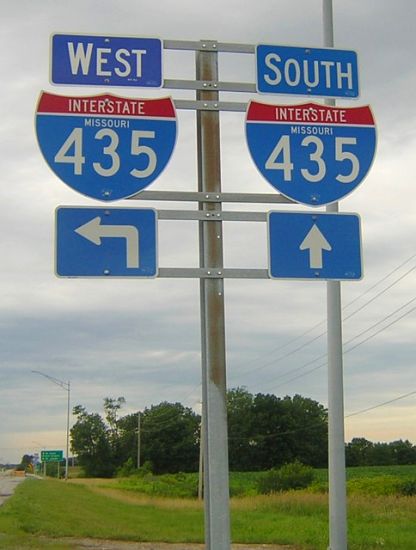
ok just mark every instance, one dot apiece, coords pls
pixel 216 483
pixel 336 438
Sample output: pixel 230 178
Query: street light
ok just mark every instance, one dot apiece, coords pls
pixel 67 387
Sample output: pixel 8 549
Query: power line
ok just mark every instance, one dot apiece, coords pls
pixel 345 351
pixel 291 371
pixel 308 427
pixel 362 411
pixel 292 352
pixel 380 293
pixel 381 280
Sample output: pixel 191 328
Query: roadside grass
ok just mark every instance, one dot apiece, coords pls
pixel 57 509
pixel 41 512
pixel 374 481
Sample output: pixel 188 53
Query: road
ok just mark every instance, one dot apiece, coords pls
pixel 8 483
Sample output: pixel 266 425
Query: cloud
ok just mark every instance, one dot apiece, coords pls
pixel 141 339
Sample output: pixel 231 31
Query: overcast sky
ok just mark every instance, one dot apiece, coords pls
pixel 140 338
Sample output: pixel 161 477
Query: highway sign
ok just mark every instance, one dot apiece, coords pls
pixel 313 154
pixel 104 146
pixel 305 245
pixel 51 456
pixel 106 242
pixel 306 71
pixel 106 60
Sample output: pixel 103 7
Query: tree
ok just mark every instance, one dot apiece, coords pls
pixel 111 408
pixel 358 452
pixel 170 438
pixel 403 452
pixel 90 441
pixel 309 436
pixel 26 464
pixel 240 419
pixel 127 439
pixel 380 454
pixel 266 431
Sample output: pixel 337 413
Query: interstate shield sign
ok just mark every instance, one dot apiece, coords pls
pixel 313 154
pixel 104 146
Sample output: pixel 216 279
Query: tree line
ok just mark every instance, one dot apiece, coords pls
pixel 361 452
pixel 264 432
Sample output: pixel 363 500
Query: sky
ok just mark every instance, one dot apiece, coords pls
pixel 139 338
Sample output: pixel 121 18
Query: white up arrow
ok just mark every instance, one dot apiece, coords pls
pixel 315 242
pixel 94 232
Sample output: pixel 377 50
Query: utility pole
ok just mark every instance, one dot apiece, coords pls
pixel 138 440
pixel 67 387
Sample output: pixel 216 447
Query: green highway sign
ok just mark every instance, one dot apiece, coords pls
pixel 51 456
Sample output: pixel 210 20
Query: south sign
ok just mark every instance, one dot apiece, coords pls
pixel 106 147
pixel 311 153
pixel 307 71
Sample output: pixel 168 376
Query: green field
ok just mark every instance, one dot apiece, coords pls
pixel 374 480
pixel 48 513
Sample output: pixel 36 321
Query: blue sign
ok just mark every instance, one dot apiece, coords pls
pixel 106 147
pixel 305 245
pixel 307 71
pixel 106 242
pixel 313 154
pixel 106 61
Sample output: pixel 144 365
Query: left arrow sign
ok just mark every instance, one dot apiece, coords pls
pixel 106 242
pixel 94 231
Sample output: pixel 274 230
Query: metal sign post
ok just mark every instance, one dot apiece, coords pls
pixel 338 539
pixel 216 486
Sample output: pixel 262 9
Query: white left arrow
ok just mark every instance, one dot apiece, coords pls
pixel 94 232
pixel 315 242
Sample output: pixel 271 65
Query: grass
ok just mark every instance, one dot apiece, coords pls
pixel 375 481
pixel 42 513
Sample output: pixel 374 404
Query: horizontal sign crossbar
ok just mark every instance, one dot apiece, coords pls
pixel 264 198
pixel 212 273
pixel 211 215
pixel 208 45
pixel 190 104
pixel 209 85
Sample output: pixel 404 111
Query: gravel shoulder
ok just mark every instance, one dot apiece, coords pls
pixel 122 545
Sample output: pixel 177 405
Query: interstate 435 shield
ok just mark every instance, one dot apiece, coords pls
pixel 104 146
pixel 313 154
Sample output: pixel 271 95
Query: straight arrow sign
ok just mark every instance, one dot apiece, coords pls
pixel 315 242
pixel 314 246
pixel 94 231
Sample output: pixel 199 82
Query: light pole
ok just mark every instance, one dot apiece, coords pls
pixel 67 387
pixel 139 435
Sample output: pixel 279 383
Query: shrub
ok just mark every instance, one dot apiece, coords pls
pixel 381 485
pixel 408 488
pixel 127 469
pixel 289 477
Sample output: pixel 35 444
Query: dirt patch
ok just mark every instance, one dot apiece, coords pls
pixel 122 545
